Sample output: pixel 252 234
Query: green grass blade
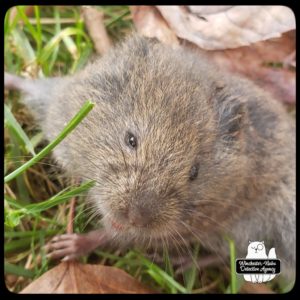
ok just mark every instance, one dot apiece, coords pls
pixel 126 13
pixel 57 199
pixel 159 275
pixel 38 28
pixel 233 275
pixel 36 139
pixel 28 25
pixel 13 23
pixel 162 278
pixel 50 46
pixel 168 268
pixel 31 233
pixel 191 274
pixel 23 47
pixel 79 26
pixel 86 108
pixel 158 279
pixel 20 180
pixel 12 123
pixel 54 54
pixel 167 261
pixel 16 245
pixel 13 217
pixel 82 61
pixel 18 270
pixel 71 46
pixel 7 26
pixel 12 202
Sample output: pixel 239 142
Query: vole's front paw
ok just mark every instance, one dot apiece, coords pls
pixel 71 246
pixel 66 246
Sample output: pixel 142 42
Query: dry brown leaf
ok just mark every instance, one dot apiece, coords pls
pixel 228 27
pixel 253 62
pixel 255 288
pixel 150 23
pixel 94 22
pixel 202 10
pixel 77 278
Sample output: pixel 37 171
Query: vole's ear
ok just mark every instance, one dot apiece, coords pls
pixel 231 117
pixel 250 242
pixel 139 46
pixel 263 242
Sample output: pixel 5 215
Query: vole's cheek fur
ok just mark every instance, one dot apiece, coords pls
pixel 182 112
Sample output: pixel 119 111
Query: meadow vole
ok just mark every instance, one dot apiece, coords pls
pixel 180 151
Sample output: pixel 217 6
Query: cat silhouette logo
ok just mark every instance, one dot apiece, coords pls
pixel 258 250
pixel 258 267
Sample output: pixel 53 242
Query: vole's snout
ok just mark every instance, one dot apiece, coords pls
pixel 142 209
pixel 139 216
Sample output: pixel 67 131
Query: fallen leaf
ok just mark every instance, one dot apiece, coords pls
pixel 269 63
pixel 77 278
pixel 201 10
pixel 255 288
pixel 228 26
pixel 150 23
pixel 256 63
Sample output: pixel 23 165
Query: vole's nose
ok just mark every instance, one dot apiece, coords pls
pixel 141 212
pixel 139 216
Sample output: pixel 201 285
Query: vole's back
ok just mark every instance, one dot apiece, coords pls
pixel 213 154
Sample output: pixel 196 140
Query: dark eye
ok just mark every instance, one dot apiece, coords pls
pixel 131 140
pixel 194 172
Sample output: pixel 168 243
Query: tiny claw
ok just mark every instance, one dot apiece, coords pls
pixel 66 258
pixel 70 246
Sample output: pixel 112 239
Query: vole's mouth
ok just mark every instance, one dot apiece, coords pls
pixel 123 227
pixel 120 227
pixel 115 225
pixel 135 233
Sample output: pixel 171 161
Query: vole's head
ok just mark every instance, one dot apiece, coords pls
pixel 153 136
